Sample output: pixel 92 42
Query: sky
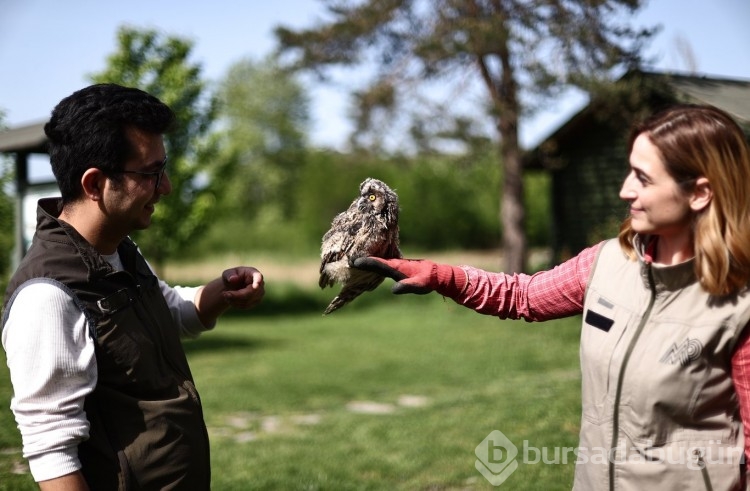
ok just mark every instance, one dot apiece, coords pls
pixel 49 47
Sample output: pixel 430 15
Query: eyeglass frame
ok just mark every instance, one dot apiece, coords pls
pixel 159 174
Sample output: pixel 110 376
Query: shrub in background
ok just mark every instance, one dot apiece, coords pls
pixel 447 202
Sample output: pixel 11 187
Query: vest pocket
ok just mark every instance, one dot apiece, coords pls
pixel 128 356
pixel 691 465
pixel 603 336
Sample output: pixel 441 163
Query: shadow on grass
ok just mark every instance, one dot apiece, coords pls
pixel 216 342
pixel 288 301
pixel 292 300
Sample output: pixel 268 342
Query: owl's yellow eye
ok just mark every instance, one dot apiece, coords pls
pixel 371 197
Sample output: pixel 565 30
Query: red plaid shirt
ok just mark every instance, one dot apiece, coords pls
pixel 559 292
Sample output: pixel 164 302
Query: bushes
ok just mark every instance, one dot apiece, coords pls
pixel 446 202
pixel 442 204
pixel 445 205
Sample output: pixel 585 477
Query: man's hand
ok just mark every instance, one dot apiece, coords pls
pixel 240 287
pixel 243 287
pixel 417 276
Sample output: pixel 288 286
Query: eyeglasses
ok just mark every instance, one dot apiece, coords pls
pixel 159 174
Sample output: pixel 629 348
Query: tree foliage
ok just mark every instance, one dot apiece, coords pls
pixel 517 50
pixel 265 114
pixel 159 64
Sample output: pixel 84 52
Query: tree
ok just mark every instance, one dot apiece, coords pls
pixel 265 112
pixel 159 65
pixel 520 50
pixel 7 212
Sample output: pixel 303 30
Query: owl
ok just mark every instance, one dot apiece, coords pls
pixel 369 227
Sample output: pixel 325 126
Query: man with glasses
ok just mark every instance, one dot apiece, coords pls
pixel 103 394
pixel 156 175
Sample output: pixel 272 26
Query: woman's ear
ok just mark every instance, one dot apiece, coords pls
pixel 701 195
pixel 93 181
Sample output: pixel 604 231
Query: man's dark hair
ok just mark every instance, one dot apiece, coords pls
pixel 88 129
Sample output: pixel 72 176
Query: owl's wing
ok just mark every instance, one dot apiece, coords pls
pixel 337 243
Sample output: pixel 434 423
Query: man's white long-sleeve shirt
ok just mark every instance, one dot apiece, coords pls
pixel 50 354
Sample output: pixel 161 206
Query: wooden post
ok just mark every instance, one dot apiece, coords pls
pixel 22 181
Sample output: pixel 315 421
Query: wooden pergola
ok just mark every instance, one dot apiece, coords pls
pixel 22 142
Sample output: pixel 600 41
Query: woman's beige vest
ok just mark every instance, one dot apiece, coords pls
pixel 659 406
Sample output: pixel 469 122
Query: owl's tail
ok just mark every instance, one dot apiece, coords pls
pixel 356 286
pixel 336 304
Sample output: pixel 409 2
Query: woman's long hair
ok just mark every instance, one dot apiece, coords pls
pixel 703 141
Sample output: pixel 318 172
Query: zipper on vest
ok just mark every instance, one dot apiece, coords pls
pixel 621 378
pixel 698 456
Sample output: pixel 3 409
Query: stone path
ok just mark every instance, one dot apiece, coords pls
pixel 245 427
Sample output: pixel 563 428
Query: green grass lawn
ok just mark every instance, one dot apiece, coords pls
pixel 390 392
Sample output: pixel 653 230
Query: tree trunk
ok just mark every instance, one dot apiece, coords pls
pixel 501 83
pixel 512 207
pixel 512 210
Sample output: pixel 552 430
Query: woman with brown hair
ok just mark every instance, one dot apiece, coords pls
pixel 665 356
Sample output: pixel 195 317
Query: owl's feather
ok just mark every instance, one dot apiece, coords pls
pixel 369 227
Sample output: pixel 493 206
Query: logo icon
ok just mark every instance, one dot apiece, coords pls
pixel 688 351
pixel 496 458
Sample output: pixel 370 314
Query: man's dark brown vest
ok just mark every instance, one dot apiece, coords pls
pixel 147 429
